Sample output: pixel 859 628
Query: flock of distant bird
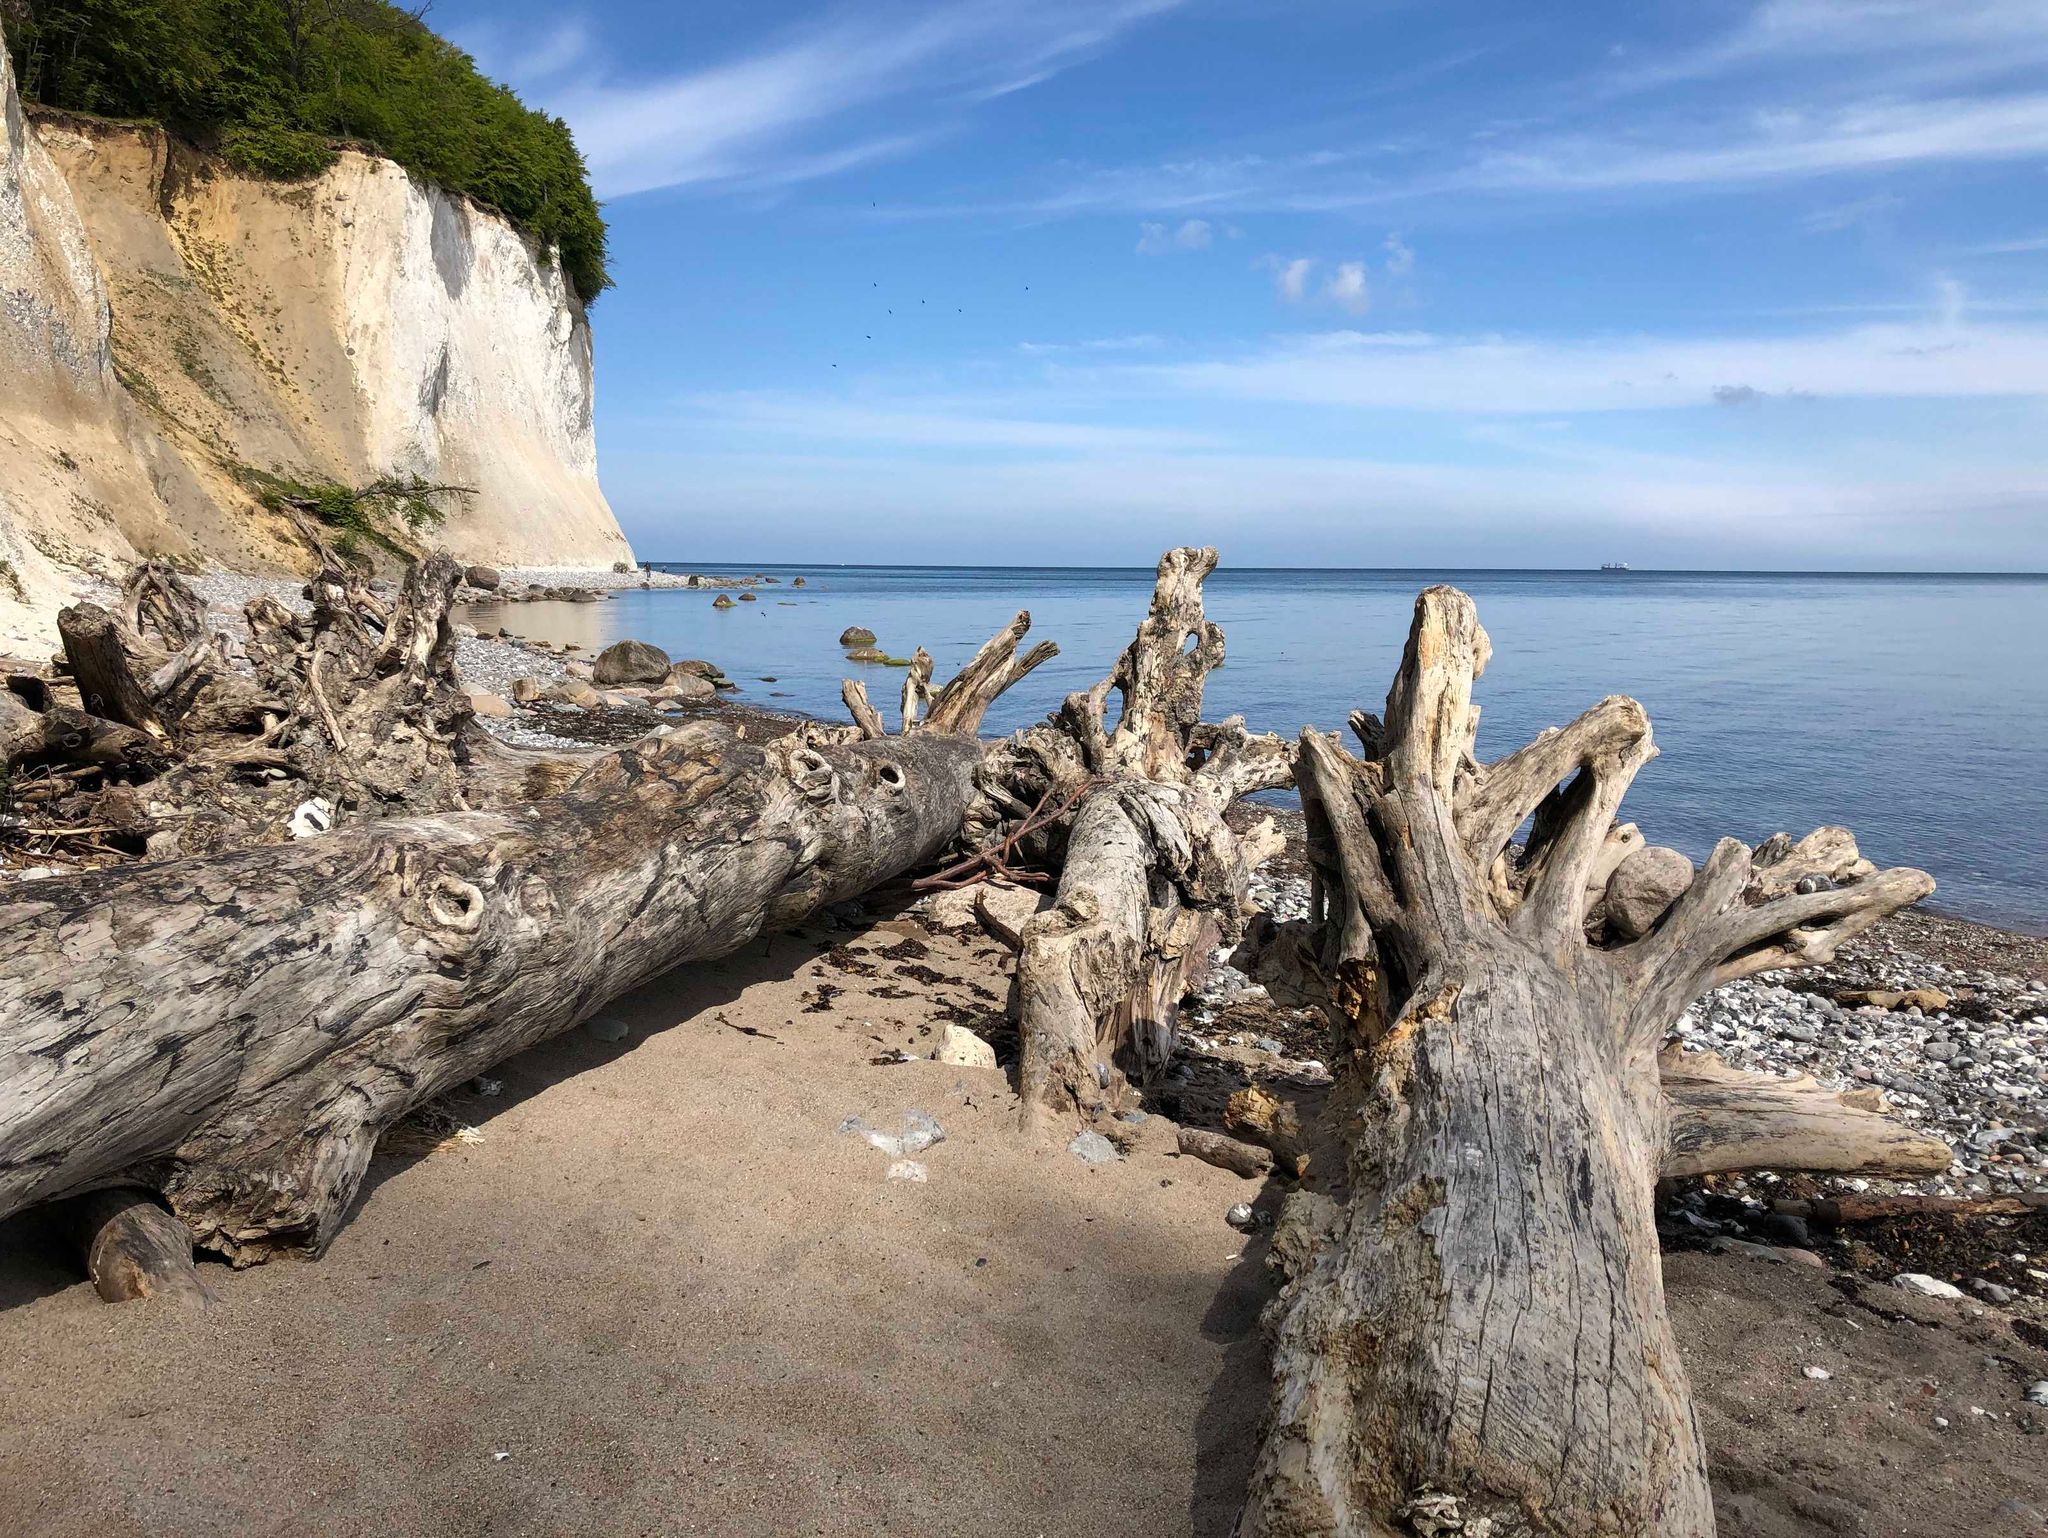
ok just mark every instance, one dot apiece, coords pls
pixel 890 311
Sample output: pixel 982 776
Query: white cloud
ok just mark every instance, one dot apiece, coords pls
pixel 1190 235
pixel 770 117
pixel 1347 289
pixel 1290 277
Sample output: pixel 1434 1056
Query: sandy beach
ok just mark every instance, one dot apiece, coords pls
pixel 658 1289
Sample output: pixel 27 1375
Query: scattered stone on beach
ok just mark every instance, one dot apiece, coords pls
pixel 723 601
pixel 484 577
pixel 493 706
pixel 1003 909
pixel 1092 1148
pixel 1926 1286
pixel 748 598
pixel 630 662
pixel 1241 1217
pixel 796 581
pixel 574 691
pixel 687 689
pixel 856 635
pixel 696 667
pixel 1642 887
pixel 866 654
pixel 581 670
pixel 606 1028
pixel 961 1048
pixel 526 690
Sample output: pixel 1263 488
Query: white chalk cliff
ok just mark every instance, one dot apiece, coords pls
pixel 169 328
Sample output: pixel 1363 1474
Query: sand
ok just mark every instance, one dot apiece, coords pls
pixel 665 1293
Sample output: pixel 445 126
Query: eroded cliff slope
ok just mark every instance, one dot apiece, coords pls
pixel 171 331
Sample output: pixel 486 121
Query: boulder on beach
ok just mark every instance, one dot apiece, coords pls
pixel 723 601
pixel 697 667
pixel 1642 887
pixel 485 577
pixel 748 598
pixel 630 662
pixel 856 635
pixel 796 581
pixel 526 690
pixel 687 688
pixel 866 654
pixel 494 706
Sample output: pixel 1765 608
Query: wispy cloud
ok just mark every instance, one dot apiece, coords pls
pixel 1156 239
pixel 2018 247
pixel 1776 147
pixel 1503 375
pixel 911 421
pixel 1144 341
pixel 781 114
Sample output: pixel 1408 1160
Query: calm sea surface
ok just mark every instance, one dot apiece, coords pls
pixel 1912 708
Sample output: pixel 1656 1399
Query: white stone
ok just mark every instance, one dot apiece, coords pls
pixel 963 1049
pixel 1926 1286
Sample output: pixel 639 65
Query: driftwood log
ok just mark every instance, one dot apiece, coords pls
pixel 233 1032
pixel 1152 877
pixel 1483 1337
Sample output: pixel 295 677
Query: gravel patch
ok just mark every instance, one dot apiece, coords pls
pixel 1973 1072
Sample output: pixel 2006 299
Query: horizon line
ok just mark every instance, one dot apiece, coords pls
pixel 1548 571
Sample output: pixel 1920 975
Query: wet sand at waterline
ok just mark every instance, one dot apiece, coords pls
pixel 661 1291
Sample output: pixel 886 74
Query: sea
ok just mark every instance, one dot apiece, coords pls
pixel 1911 707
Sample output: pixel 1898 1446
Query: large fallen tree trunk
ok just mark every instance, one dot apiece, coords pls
pixel 1153 877
pixel 234 1032
pixel 1484 1338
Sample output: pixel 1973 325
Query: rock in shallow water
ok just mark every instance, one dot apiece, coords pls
pixel 630 662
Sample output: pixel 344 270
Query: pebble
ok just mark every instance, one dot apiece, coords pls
pixel 2037 1393
pixel 1817 1374
pixel 1240 1216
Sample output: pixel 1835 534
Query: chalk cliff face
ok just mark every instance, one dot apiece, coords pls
pixel 168 327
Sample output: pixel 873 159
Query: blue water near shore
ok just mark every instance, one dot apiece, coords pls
pixel 1912 708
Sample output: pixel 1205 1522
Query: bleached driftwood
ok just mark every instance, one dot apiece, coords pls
pixel 1485 1336
pixel 233 1032
pixel 1153 876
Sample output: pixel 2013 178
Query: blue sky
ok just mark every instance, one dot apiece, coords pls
pixel 1750 283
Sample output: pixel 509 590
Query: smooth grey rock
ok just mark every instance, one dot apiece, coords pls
pixel 1642 887
pixel 856 635
pixel 1092 1148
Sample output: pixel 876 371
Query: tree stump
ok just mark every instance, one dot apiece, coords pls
pixel 1484 1336
pixel 1153 876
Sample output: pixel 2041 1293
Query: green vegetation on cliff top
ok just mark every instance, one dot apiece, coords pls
pixel 274 84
